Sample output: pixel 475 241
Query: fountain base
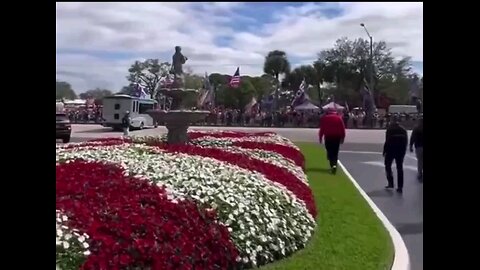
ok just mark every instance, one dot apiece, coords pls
pixel 177 122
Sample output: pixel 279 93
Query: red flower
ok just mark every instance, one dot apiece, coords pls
pixel 285 151
pixel 132 223
pixel 192 135
pixel 270 171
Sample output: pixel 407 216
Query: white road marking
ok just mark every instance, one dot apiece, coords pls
pixel 371 153
pixel 381 164
pixel 401 260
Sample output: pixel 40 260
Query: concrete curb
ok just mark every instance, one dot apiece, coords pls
pixel 401 259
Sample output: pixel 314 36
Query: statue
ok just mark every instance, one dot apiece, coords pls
pixel 178 59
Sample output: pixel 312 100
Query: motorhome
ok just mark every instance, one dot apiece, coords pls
pixel 114 108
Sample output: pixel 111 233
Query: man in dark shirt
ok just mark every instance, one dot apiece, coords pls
pixel 417 140
pixel 126 121
pixel 395 148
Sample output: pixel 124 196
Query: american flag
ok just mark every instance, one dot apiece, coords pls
pixel 300 95
pixel 235 80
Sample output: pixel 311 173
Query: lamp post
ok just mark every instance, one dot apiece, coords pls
pixel 371 71
pixel 371 56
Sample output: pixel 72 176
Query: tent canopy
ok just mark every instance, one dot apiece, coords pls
pixel 333 105
pixel 306 106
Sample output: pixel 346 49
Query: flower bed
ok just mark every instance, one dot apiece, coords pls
pixel 139 203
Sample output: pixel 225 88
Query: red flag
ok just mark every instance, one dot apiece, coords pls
pixel 235 80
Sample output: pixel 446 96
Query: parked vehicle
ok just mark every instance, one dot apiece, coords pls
pixel 64 128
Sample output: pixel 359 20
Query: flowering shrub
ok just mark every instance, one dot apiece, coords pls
pixel 146 204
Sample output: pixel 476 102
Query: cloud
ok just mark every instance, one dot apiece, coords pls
pixel 96 42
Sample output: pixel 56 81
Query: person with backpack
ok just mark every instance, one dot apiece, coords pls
pixel 395 149
pixel 333 129
pixel 126 121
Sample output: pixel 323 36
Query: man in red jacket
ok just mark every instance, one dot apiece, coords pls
pixel 333 129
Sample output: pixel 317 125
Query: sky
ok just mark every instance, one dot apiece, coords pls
pixel 97 42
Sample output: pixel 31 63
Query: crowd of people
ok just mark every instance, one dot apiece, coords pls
pixel 84 115
pixel 291 118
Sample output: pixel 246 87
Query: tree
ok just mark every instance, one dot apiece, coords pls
pixel 236 98
pixel 263 85
pixel 276 63
pixel 148 74
pixel 64 91
pixel 127 90
pixel 96 93
pixel 347 63
pixel 193 81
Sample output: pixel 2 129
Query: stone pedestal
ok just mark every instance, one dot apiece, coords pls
pixel 178 119
pixel 177 133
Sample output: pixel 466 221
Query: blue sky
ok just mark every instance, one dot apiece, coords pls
pixel 96 42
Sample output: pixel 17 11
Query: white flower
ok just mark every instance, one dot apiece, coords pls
pixel 255 209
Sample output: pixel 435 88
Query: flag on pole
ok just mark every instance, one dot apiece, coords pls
pixel 300 96
pixel 249 107
pixel 207 96
pixel 139 91
pixel 235 80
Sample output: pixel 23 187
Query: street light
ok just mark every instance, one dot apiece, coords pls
pixel 372 98
pixel 371 56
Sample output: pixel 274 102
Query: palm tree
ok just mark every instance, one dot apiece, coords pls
pixel 276 63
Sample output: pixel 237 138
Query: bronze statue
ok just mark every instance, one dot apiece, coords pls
pixel 178 59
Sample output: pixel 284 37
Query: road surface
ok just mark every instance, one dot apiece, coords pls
pixel 361 155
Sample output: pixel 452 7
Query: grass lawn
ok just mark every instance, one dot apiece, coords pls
pixel 349 235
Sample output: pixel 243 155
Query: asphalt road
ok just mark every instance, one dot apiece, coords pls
pixel 354 136
pixel 404 211
pixel 361 155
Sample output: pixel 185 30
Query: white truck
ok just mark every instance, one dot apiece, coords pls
pixel 115 107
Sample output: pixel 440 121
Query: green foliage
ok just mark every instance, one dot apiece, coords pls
pixel 276 63
pixel 347 64
pixel 193 81
pixel 96 93
pixel 236 97
pixel 64 91
pixel 148 74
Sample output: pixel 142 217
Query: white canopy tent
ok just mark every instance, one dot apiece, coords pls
pixel 306 106
pixel 333 105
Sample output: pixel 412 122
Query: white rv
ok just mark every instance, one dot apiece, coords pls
pixel 114 108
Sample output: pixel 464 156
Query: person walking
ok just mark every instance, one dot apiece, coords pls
pixel 395 149
pixel 126 120
pixel 333 129
pixel 416 139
